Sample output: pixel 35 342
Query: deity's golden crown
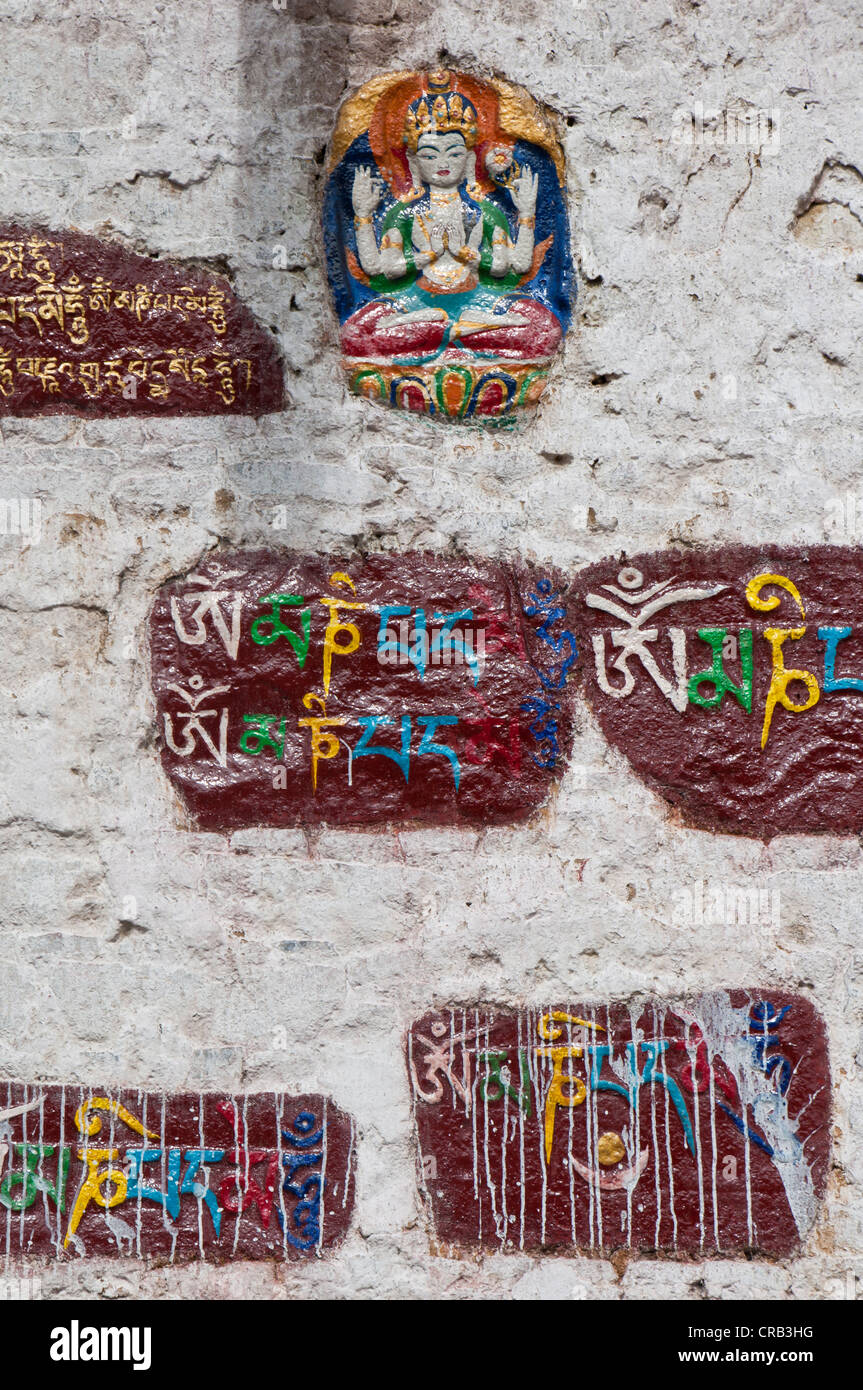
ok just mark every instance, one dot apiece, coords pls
pixel 442 109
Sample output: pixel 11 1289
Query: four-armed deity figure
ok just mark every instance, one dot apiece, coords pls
pixel 444 225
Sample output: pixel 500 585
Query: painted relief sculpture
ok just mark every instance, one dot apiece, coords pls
pixel 693 1128
pixel 298 690
pixel 447 244
pixel 213 1177
pixel 88 328
pixel 733 681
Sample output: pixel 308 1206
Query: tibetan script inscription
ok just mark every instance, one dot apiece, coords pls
pixel 732 680
pixel 88 328
pixel 696 1128
pixel 298 690
pixel 214 1177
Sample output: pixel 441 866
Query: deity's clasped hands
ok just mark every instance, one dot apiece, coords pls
pixel 448 235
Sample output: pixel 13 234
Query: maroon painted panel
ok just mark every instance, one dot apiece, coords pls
pixel 88 328
pixel 216 1176
pixel 299 690
pixel 697 1128
pixel 740 759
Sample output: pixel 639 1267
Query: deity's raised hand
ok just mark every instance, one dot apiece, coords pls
pixel 523 190
pixel 367 191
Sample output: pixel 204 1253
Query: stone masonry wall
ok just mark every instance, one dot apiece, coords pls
pixel 709 393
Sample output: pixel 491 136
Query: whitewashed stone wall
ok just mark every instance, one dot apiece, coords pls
pixel 710 391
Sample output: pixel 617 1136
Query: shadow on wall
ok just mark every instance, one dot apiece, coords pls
pixel 298 60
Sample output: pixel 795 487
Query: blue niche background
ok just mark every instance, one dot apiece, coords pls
pixel 553 285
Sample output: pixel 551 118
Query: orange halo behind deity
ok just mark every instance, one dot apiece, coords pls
pixel 504 114
pixel 387 126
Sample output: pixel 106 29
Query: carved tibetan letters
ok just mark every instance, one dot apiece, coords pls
pixel 214 1177
pixel 299 690
pixel 733 681
pixel 696 1128
pixel 447 244
pixel 88 328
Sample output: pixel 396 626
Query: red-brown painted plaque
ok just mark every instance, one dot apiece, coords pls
pixel 216 1177
pixel 732 680
pixel 693 1128
pixel 88 328
pixel 300 690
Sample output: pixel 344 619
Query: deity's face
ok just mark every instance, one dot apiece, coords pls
pixel 442 158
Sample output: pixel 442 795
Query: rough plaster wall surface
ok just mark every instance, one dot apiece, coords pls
pixel 709 392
